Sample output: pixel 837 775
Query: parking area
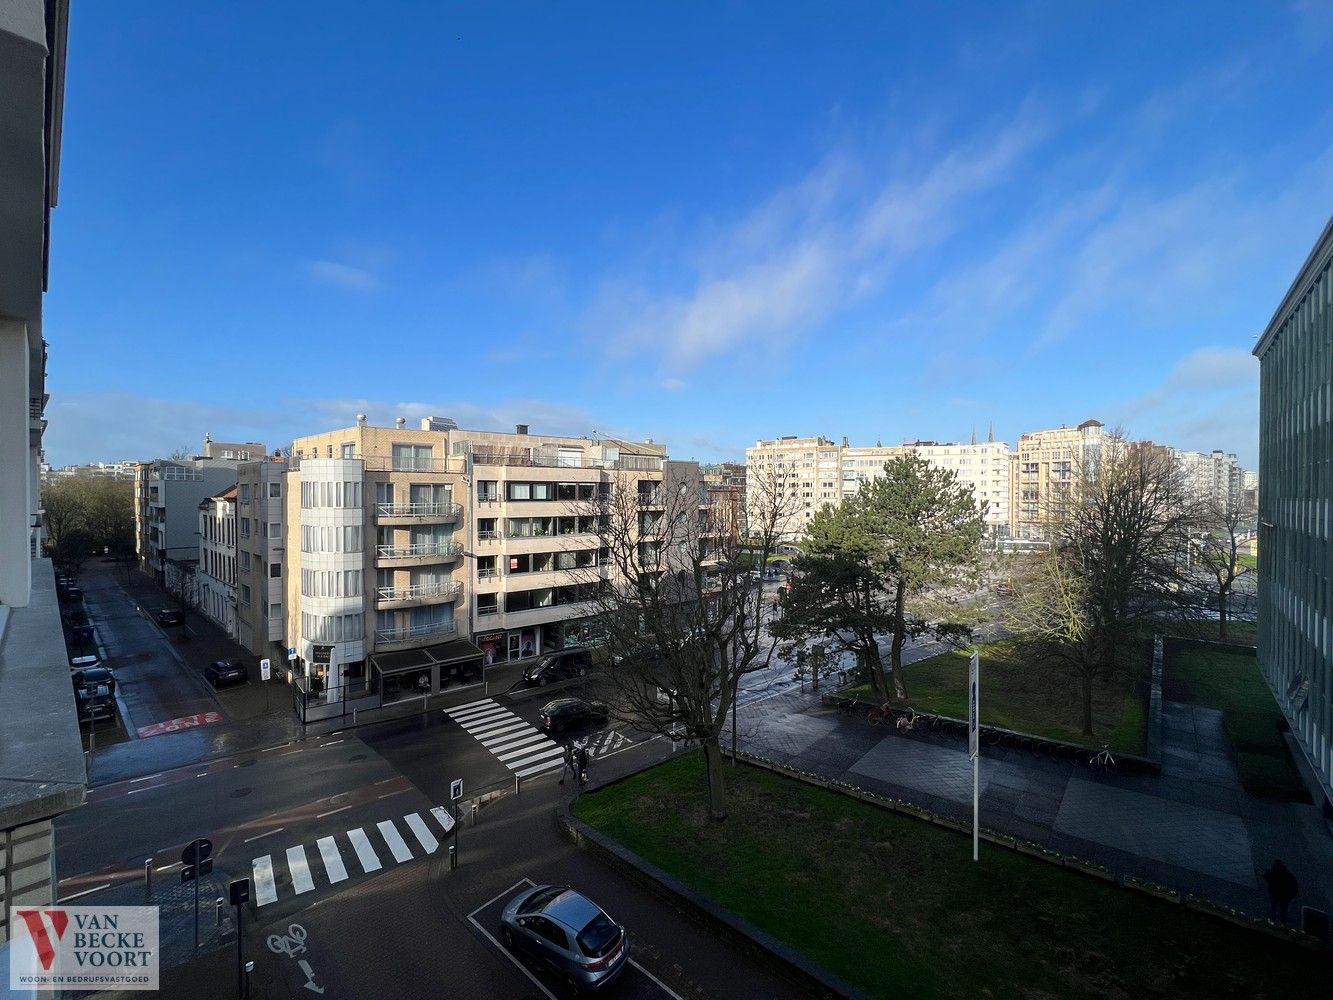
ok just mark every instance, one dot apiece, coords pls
pixel 634 982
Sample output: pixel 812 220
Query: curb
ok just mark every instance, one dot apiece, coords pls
pixel 735 929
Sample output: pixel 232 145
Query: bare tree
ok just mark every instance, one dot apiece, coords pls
pixel 678 604
pixel 182 453
pixel 1217 552
pixel 1118 530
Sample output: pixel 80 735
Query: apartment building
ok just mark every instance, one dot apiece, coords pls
pixel 216 580
pixel 812 472
pixel 39 736
pixel 1044 467
pixel 724 484
pixel 167 495
pixel 415 557
pixel 261 539
pixel 1295 355
pixel 1215 476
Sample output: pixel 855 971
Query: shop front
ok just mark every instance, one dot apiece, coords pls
pixel 416 673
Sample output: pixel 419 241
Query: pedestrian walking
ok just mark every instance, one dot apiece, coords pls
pixel 581 760
pixel 569 764
pixel 1282 889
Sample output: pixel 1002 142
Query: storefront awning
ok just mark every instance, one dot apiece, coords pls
pixel 406 660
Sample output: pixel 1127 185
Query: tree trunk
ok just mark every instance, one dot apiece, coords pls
pixel 717 797
pixel 899 639
pixel 1087 704
pixel 1222 603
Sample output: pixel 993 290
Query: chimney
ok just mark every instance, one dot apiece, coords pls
pixel 361 420
pixel 844 441
pixel 521 429
pixel 400 423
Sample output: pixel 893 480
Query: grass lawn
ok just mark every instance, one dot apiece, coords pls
pixel 1231 682
pixel 897 907
pixel 1240 632
pixel 1028 698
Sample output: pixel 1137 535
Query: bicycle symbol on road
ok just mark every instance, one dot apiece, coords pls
pixel 290 944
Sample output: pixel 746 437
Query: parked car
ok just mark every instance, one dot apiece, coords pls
pixel 84 662
pixel 223 672
pixel 558 666
pixel 567 933
pixel 570 713
pixel 74 593
pixel 168 617
pixel 93 676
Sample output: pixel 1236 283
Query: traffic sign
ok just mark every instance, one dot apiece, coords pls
pixel 240 891
pixel 973 720
pixel 456 789
pixel 265 669
pixel 197 851
pixel 191 872
pixel 291 652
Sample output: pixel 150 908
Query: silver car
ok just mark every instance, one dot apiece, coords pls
pixel 567 933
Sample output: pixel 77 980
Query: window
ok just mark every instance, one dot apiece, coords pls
pixel 486 490
pixel 245 527
pixel 245 492
pixel 275 571
pixel 518 491
pixel 348 449
pixel 274 490
pixel 412 457
pixel 274 529
pixel 245 561
pixel 245 595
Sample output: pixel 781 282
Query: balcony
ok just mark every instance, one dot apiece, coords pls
pixel 418 513
pixel 387 638
pixel 387 598
pixel 416 555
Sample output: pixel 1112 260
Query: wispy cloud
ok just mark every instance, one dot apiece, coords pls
pixel 330 272
pixel 808 251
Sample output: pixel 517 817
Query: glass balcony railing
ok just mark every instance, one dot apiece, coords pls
pixel 431 629
pixel 441 550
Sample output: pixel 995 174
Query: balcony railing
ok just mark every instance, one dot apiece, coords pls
pixel 422 591
pixel 415 631
pixel 487 536
pixel 446 550
pixel 485 612
pixel 446 511
pixel 487 572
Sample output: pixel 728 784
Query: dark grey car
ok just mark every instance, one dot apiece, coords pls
pixel 567 933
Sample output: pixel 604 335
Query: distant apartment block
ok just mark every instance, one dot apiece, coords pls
pixel 167 495
pixel 1044 469
pixel 1295 355
pixel 1215 477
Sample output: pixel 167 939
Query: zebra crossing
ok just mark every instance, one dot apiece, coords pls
pixel 516 744
pixel 370 853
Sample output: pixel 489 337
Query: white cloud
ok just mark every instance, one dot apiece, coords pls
pixel 674 384
pixel 330 272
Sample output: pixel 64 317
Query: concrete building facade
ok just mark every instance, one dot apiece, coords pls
pixel 1295 355
pixel 1215 476
pixel 217 559
pixel 1044 467
pixel 260 570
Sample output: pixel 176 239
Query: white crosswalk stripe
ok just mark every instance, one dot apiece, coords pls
pixel 516 744
pixel 302 878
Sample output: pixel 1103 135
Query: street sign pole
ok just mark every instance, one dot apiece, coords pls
pixel 240 895
pixel 456 793
pixel 974 744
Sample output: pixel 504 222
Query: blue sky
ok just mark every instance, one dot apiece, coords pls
pixel 702 223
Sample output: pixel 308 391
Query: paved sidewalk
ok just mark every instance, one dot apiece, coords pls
pixel 1193 828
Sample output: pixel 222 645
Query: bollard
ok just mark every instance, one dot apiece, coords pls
pixel 474 814
pixel 353 717
pixel 217 922
pixel 516 786
pixel 453 858
pixel 148 878
pixel 249 971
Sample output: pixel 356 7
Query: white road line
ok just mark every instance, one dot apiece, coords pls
pixel 147 777
pixel 333 861
pixel 471 704
pixel 502 733
pixel 554 751
pixel 385 781
pixel 660 985
pixel 266 833
pixel 510 741
pixel 478 713
pixel 472 918
pixel 85 892
pixel 549 765
pixel 495 725
pixel 333 744
pixel 525 752
pixel 395 841
pixel 444 817
pixel 300 869
pixel 423 833
pixel 365 853
pixel 332 811
pixel 265 889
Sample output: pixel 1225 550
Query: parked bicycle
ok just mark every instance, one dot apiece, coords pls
pixel 876 716
pixel 910 721
pixel 1103 760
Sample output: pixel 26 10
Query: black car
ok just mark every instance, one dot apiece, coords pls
pixel 558 666
pixel 94 677
pixel 167 617
pixel 570 713
pixel 223 672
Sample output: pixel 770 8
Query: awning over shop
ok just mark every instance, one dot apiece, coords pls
pixel 408 660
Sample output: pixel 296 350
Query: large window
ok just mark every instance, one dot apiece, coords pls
pixel 549 597
pixel 342 494
pixel 412 458
pixel 331 628
pixel 330 538
pixel 331 583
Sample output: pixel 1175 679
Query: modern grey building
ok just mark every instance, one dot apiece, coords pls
pixel 1296 506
